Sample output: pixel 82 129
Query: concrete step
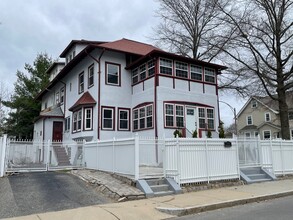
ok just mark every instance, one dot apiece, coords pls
pixel 257 176
pixel 163 193
pixel 160 188
pixel 249 171
pixel 153 182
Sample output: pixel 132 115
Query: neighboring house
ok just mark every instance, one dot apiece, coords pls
pixel 260 116
pixel 115 89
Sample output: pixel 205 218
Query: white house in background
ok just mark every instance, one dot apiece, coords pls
pixel 116 89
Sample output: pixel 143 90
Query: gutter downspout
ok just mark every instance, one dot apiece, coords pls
pixel 99 89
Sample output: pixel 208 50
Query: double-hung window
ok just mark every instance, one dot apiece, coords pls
pixel 210 118
pixel 123 119
pixel 91 76
pixel 81 83
pixel 169 115
pixel 267 116
pixel 166 66
pixel 108 118
pixel 67 123
pixel 113 74
pixel 181 69
pixel 88 119
pixel 196 72
pixel 201 118
pixel 62 95
pixel 151 68
pixel 143 117
pixel 57 98
pixel 77 121
pixel 135 76
pixel 174 115
pixel 209 75
pixel 142 72
pixel 249 120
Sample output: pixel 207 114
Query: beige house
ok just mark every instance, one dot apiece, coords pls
pixel 260 116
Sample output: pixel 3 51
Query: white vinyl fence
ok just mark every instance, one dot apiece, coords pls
pixel 136 157
pixel 190 160
pixel 278 153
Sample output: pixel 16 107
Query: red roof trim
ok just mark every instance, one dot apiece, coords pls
pixel 85 99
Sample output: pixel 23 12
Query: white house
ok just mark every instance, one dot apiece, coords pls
pixel 116 89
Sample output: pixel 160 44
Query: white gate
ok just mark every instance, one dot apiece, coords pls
pixel 38 155
pixel 249 152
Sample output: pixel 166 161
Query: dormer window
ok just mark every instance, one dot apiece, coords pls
pixel 253 104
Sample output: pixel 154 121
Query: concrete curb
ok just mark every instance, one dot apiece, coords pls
pixel 225 204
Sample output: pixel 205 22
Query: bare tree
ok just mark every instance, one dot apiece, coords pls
pixel 198 29
pixel 263 47
pixel 188 26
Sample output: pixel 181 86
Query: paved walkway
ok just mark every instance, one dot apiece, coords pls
pixel 170 206
pixel 109 185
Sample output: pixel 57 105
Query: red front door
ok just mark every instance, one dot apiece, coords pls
pixel 57 131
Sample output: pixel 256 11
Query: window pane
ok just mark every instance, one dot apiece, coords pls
pixel 196 72
pixel 123 115
pixel 170 121
pixel 135 76
pixel 113 73
pixel 149 122
pixel 169 109
pixel 142 72
pixel 135 124
pixel 123 124
pixel 142 123
pixel 135 114
pixel 151 68
pixel 107 113
pixel 211 123
pixel 201 112
pixel 179 110
pixel 181 69
pixel 210 113
pixel 179 122
pixel 209 75
pixel 107 123
pixel 166 66
pixel 149 110
pixel 202 123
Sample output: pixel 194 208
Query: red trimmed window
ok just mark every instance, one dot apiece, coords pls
pixel 174 115
pixel 123 119
pixel 143 117
pixel 108 118
pixel 88 119
pixel 113 72
pixel 91 76
pixel 81 83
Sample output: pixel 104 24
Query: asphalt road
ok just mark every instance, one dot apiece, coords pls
pixel 280 209
pixel 31 193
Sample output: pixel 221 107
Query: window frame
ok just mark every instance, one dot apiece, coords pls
pixel 91 75
pixel 143 118
pixel 210 118
pixel 207 72
pixel 290 115
pixel 118 76
pixel 175 116
pixel 265 132
pixel 179 70
pixel 269 118
pixel 67 124
pixel 81 84
pixel 86 118
pixel 57 101
pixel 62 93
pixel 119 119
pixel 253 103
pixel 247 120
pixel 75 121
pixel 201 118
pixel 112 109
pixel 196 73
pixel 165 66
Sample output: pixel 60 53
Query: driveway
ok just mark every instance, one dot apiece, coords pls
pixel 30 193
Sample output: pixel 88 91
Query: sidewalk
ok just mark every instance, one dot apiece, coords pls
pixel 171 206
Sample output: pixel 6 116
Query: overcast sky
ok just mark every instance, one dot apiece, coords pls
pixel 29 27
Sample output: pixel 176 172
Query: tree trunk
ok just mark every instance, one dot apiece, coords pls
pixel 283 110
